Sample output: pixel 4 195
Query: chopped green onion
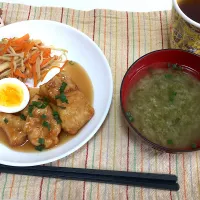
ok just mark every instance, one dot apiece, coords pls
pixel 168 76
pixel 174 66
pixel 39 104
pixel 30 110
pixel 46 124
pixel 169 142
pixel 5 120
pixel 194 146
pixel 62 87
pixel 128 114
pixel 43 116
pixel 39 148
pixel 62 97
pixel 44 99
pixel 56 116
pixel 131 119
pixel 41 140
pixel 23 117
pixel 172 96
pixel 71 62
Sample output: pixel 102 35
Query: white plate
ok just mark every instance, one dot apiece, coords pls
pixel 82 50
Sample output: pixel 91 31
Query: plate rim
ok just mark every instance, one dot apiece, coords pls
pixel 103 117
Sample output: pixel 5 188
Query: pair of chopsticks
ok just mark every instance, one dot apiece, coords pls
pixel 148 180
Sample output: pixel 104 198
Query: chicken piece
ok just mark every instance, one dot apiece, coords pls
pixel 51 88
pixel 33 92
pixel 13 127
pixel 76 113
pixel 41 127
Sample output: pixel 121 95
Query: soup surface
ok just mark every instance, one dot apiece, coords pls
pixel 82 80
pixel 164 107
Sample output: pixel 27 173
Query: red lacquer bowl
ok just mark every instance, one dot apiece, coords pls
pixel 190 63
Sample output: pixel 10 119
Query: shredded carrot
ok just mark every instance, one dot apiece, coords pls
pixel 45 61
pixel 22 54
pixel 28 47
pixel 19 74
pixel 30 74
pixel 21 39
pixel 46 52
pixel 18 48
pixel 5 48
pixel 27 65
pixel 33 58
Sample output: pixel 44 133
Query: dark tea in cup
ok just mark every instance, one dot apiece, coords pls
pixel 185 25
pixel 191 8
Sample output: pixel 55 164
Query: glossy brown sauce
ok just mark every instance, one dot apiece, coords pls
pixel 81 78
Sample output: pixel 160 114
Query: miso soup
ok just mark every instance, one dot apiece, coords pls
pixel 164 106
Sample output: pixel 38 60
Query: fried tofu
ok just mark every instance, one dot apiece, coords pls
pixel 51 88
pixel 76 113
pixel 42 125
pixel 13 126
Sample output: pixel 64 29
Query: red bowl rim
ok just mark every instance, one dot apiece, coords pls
pixel 153 145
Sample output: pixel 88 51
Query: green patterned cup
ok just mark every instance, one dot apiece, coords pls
pixel 185 32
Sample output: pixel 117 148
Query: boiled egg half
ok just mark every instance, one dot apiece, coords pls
pixel 14 95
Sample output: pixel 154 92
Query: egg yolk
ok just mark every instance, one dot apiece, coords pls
pixel 11 95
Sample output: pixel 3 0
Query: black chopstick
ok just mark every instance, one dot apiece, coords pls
pixel 149 180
